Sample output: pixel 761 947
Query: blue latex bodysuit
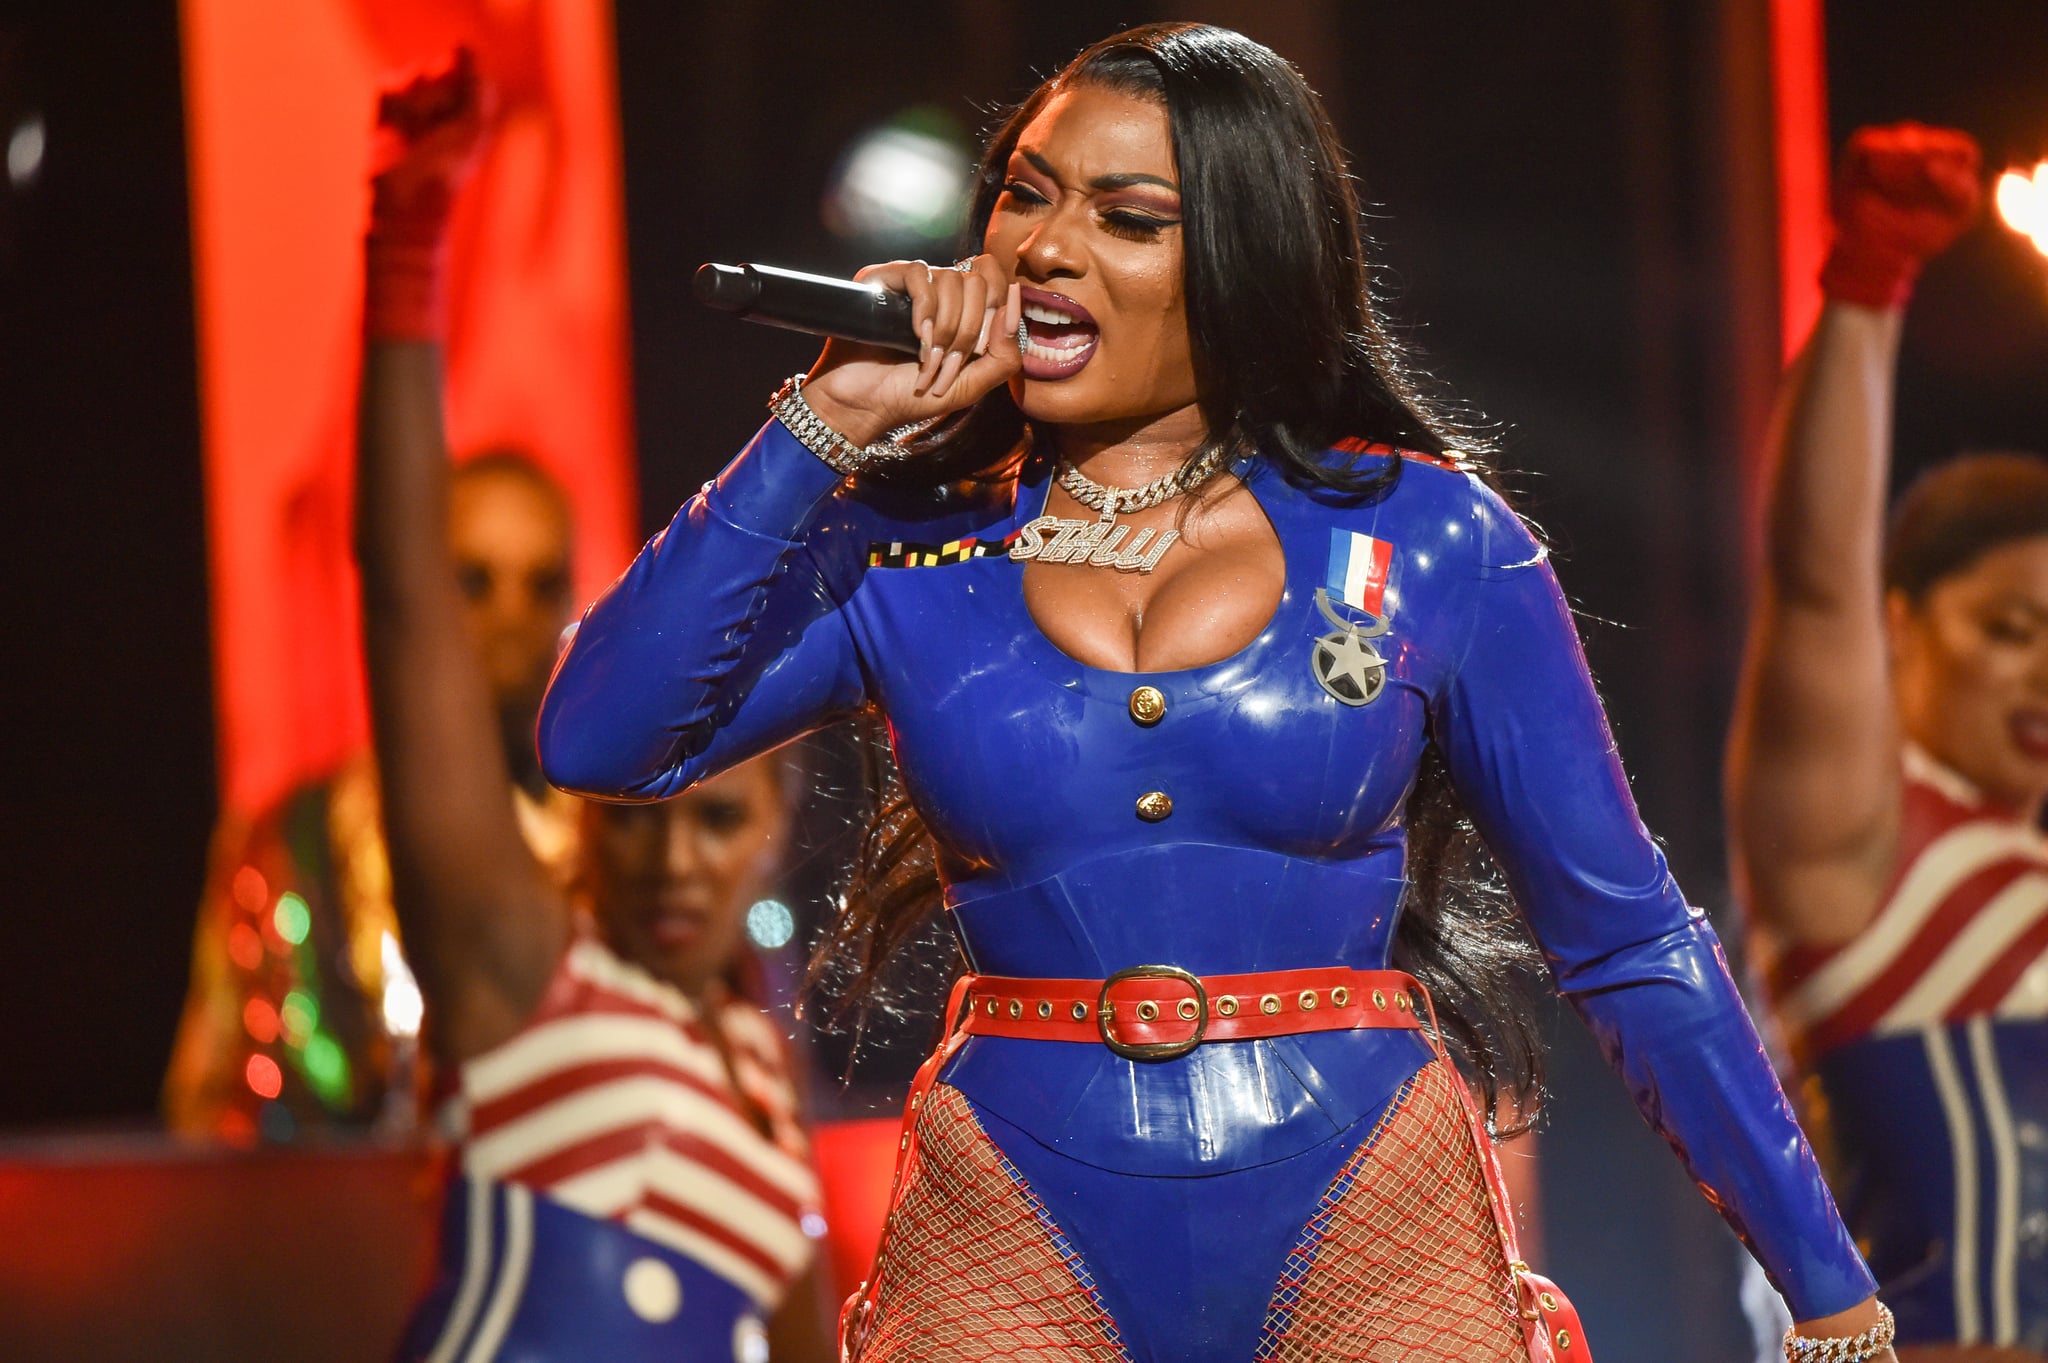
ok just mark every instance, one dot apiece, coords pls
pixel 757 617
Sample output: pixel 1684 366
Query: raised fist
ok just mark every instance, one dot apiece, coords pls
pixel 1902 195
pixel 429 136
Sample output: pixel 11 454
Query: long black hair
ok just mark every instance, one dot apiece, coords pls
pixel 1290 356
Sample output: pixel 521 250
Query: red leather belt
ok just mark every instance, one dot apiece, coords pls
pixel 1156 1012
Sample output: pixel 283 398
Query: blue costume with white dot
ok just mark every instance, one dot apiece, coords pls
pixel 631 1181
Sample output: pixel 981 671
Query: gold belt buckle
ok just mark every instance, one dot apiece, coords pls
pixel 1105 1014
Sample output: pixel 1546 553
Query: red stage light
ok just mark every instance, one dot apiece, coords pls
pixel 245 948
pixel 261 1020
pixel 266 1080
pixel 251 890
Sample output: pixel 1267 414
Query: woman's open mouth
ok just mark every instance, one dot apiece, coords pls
pixel 2028 730
pixel 1060 335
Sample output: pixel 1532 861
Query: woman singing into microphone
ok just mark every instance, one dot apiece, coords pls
pixel 1193 687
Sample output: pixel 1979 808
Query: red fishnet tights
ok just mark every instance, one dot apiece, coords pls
pixel 968 1270
pixel 1402 1262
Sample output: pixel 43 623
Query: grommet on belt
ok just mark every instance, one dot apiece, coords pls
pixel 1154 805
pixel 1307 1000
pixel 1148 1011
pixel 1379 1000
pixel 1269 1004
pixel 1045 1008
pixel 1339 996
pixel 1226 1007
pixel 1080 1012
pixel 1148 705
pixel 1016 1008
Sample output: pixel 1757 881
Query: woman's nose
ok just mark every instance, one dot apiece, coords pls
pixel 680 853
pixel 1051 250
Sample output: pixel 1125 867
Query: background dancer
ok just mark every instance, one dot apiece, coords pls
pixel 1887 768
pixel 340 1053
pixel 632 1180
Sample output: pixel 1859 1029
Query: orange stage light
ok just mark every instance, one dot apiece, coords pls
pixel 279 102
pixel 2023 203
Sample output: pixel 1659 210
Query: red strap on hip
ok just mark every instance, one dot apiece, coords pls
pixel 1550 1323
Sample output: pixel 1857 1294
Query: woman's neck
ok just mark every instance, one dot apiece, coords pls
pixel 1132 452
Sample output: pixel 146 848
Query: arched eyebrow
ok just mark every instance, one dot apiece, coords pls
pixel 1121 180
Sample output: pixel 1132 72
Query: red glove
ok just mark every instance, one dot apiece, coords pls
pixel 1902 195
pixel 429 136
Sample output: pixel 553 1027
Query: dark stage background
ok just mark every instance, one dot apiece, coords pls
pixel 1573 204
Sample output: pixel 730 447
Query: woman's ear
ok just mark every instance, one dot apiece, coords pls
pixel 1899 623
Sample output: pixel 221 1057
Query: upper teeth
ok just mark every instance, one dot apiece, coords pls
pixel 1039 312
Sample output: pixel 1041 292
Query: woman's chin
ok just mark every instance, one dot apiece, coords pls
pixel 1075 401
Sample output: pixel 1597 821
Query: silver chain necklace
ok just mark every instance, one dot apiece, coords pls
pixel 1100 544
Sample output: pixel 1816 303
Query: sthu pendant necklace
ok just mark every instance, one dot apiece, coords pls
pixel 1100 543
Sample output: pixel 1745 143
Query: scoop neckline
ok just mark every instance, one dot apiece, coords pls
pixel 1119 676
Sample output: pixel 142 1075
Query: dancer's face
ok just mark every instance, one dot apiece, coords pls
pixel 1089 222
pixel 671 882
pixel 510 538
pixel 1971 665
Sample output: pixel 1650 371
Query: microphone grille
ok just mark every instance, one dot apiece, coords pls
pixel 729 288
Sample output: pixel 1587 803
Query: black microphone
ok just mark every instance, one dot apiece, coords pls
pixel 815 303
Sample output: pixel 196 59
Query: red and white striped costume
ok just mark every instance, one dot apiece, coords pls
pixel 614 1102
pixel 1963 931
pixel 1928 1036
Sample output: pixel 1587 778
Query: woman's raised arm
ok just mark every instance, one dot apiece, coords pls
pixel 482 922
pixel 1813 751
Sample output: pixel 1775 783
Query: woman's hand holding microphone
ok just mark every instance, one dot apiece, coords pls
pixel 966 316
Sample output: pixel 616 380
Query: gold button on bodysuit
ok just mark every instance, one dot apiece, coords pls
pixel 1148 705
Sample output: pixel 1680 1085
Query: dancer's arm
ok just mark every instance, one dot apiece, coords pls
pixel 725 639
pixel 483 925
pixel 1813 751
pixel 1528 749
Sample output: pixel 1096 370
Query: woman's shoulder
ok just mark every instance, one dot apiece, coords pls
pixel 1443 500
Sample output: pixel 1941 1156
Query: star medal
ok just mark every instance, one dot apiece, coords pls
pixel 1344 661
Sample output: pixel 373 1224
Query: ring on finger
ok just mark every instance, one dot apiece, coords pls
pixel 964 266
